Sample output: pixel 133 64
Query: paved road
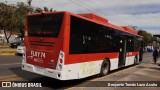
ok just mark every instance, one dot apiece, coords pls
pixel 10 67
pixel 7 63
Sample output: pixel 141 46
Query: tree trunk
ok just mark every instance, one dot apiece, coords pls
pixel 22 34
pixel 6 36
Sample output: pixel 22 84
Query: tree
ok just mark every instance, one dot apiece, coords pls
pixel 147 37
pixel 29 4
pixel 12 18
pixel 20 17
pixel 45 9
pixel 6 20
pixel 38 10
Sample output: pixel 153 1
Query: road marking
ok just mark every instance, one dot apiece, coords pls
pixel 10 64
pixel 105 76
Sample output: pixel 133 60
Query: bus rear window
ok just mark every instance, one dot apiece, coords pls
pixel 45 25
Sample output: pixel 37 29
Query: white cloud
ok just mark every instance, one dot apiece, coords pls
pixel 154 32
pixel 148 22
pixel 142 20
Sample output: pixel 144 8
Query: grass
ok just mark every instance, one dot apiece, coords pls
pixel 7 51
pixel 4 44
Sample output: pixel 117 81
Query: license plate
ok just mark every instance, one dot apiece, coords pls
pixel 39 69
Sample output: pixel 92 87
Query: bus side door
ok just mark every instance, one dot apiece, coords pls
pixel 122 52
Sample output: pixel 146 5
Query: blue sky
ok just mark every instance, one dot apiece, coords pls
pixel 142 13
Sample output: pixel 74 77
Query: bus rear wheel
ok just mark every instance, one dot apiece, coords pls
pixel 105 68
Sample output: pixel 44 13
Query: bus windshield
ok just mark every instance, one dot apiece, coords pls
pixel 45 25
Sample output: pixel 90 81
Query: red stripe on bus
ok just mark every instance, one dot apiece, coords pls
pixel 79 58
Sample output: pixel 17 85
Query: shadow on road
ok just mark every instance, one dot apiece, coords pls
pixel 155 68
pixel 53 83
pixel 47 81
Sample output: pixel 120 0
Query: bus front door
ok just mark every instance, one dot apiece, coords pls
pixel 122 52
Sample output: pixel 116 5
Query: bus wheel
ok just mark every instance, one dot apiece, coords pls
pixel 135 60
pixel 105 68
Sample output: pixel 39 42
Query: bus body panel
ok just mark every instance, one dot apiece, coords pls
pixel 44 56
pixel 44 51
pixel 130 57
pixel 77 70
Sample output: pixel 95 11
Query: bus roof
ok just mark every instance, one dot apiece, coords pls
pixel 94 17
pixel 130 30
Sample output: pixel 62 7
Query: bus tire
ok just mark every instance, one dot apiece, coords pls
pixel 105 68
pixel 135 60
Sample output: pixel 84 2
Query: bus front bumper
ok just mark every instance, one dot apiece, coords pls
pixel 42 71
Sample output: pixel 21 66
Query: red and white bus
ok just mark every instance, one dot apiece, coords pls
pixel 66 46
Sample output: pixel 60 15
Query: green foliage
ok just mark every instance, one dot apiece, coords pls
pixel 20 17
pixel 46 9
pixel 39 10
pixel 147 37
pixel 6 19
pixel 12 18
pixel 6 16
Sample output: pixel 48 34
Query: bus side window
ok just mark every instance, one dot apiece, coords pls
pixel 76 36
